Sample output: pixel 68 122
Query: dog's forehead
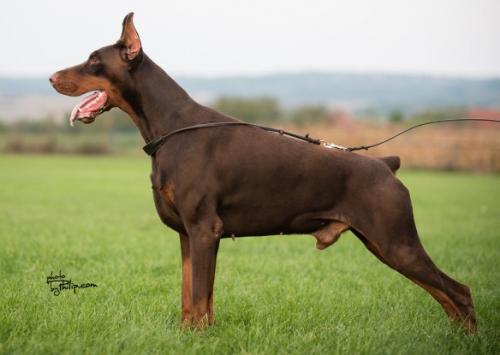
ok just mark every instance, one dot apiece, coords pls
pixel 107 51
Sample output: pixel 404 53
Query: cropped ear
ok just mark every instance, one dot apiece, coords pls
pixel 130 38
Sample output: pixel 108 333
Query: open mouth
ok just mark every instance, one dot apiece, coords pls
pixel 89 108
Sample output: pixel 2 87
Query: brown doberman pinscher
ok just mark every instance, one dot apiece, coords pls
pixel 236 181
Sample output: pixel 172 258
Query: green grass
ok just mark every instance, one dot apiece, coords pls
pixel 94 219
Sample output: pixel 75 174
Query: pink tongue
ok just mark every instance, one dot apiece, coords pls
pixel 88 106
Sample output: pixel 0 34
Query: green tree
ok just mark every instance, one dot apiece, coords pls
pixel 257 109
pixel 440 113
pixel 308 114
pixel 396 116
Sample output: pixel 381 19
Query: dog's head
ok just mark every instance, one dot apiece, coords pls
pixel 107 74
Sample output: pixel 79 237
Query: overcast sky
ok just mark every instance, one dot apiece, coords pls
pixel 225 37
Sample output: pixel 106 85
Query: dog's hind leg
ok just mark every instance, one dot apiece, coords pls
pixel 412 261
pixel 394 240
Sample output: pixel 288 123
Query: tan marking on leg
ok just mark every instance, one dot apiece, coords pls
pixel 449 306
pixel 167 191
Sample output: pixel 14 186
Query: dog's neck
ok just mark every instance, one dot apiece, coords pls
pixel 157 101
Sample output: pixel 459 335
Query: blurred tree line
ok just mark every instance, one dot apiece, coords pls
pixel 112 121
pixel 428 114
pixel 263 110
pixel 268 110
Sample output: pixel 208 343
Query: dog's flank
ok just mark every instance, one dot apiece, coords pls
pixel 242 181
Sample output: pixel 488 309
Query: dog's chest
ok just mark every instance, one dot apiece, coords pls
pixel 165 206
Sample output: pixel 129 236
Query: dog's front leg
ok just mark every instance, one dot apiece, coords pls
pixel 187 282
pixel 203 244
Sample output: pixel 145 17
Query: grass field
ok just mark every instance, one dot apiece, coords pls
pixel 94 219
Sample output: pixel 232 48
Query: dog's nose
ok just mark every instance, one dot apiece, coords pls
pixel 53 79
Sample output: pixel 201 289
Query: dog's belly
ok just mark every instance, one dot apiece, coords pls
pixel 248 229
pixel 281 217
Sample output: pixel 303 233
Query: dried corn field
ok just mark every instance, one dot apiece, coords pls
pixel 450 146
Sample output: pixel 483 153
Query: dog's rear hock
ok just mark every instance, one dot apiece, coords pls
pixel 394 240
pixel 413 262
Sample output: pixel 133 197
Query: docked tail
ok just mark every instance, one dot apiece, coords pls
pixel 393 162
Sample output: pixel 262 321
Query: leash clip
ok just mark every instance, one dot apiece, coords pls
pixel 331 145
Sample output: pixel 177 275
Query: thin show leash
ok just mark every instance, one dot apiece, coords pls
pixel 151 147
